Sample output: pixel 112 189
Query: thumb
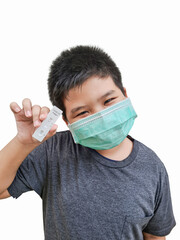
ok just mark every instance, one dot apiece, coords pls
pixel 51 132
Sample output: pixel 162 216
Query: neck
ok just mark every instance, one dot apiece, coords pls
pixel 119 152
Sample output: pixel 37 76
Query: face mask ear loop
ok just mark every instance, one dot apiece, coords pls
pixel 68 123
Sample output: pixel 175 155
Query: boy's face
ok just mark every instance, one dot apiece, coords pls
pixel 94 95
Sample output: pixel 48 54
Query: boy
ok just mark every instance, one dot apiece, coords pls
pixel 96 181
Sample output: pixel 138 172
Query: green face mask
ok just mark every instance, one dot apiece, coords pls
pixel 105 129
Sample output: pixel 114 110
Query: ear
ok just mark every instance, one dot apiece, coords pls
pixel 125 92
pixel 65 120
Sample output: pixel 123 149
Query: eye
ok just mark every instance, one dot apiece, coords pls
pixel 81 113
pixel 109 100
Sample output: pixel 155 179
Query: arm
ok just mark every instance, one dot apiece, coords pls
pixel 148 236
pixel 11 156
pixel 4 194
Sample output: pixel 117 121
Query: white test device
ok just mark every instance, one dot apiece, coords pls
pixel 46 125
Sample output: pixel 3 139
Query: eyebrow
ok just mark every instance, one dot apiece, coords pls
pixel 106 94
pixel 84 106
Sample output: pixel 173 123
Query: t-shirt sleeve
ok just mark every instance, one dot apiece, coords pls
pixel 31 173
pixel 163 220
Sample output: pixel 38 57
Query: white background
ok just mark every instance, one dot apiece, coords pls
pixel 143 38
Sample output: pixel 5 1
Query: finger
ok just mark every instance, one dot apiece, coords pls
pixel 36 109
pixel 51 132
pixel 44 113
pixel 27 106
pixel 15 108
pixel 54 128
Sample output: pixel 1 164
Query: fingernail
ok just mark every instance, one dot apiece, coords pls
pixel 28 114
pixel 17 109
pixel 42 116
pixel 37 123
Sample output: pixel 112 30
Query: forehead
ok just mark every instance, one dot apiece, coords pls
pixel 93 87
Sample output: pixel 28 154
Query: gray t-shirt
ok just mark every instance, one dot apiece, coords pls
pixel 89 197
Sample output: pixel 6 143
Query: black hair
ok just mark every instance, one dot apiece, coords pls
pixel 74 66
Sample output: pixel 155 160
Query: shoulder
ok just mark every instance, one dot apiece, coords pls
pixel 61 140
pixel 62 144
pixel 57 143
pixel 60 137
pixel 150 159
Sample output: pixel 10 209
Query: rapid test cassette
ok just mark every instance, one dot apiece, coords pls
pixel 46 125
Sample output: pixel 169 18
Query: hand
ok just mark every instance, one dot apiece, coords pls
pixel 28 119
